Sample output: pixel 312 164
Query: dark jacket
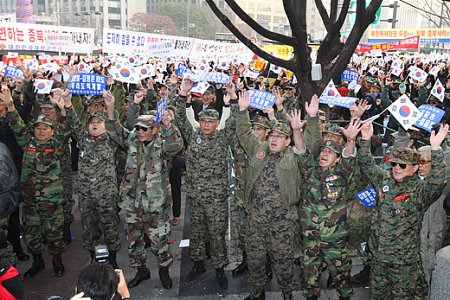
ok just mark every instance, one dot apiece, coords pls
pixel 10 191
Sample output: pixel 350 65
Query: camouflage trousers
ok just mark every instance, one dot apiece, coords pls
pixel 332 253
pixel 391 281
pixel 273 237
pixel 66 176
pixel 99 215
pixel 156 225
pixel 242 227
pixel 43 218
pixel 209 220
pixel 7 254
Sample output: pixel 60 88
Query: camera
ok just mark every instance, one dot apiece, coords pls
pixel 101 254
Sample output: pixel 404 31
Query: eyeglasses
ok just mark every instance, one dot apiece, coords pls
pixel 402 166
pixel 277 136
pixel 423 162
pixel 137 128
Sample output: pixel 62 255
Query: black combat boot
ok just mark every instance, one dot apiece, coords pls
pixel 313 298
pixel 197 269
pixel 92 253
pixel 258 294
pixel 112 259
pixel 287 296
pixel 165 278
pixel 67 235
pixel 269 272
pixel 362 278
pixel 221 278
pixel 344 298
pixel 38 265
pixel 242 267
pixel 58 266
pixel 142 274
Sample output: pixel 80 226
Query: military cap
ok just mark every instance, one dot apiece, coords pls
pixel 288 86
pixel 333 146
pixel 99 115
pixel 47 105
pixel 147 121
pixel 282 127
pixel 261 121
pixel 404 155
pixel 209 113
pixel 331 128
pixel 95 100
pixel 44 120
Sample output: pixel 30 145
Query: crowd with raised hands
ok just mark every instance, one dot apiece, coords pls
pixel 310 182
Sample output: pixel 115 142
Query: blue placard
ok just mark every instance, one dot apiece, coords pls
pixel 12 72
pixel 216 77
pixel 338 101
pixel 349 75
pixel 367 197
pixel 182 69
pixel 261 99
pixel 87 84
pixel 161 108
pixel 430 116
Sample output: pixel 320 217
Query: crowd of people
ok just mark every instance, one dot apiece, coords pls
pixel 297 166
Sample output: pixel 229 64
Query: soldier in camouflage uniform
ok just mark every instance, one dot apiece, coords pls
pixel 207 185
pixel 291 100
pixel 272 193
pixel 402 200
pixel 97 187
pixel 144 195
pixel 41 186
pixel 323 214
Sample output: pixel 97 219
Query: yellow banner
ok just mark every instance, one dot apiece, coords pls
pixel 259 65
pixel 279 51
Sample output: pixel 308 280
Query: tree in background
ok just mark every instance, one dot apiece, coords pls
pixel 333 55
pixel 153 23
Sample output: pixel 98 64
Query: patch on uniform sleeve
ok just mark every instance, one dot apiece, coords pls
pixel 198 140
pixel 385 189
pixel 260 154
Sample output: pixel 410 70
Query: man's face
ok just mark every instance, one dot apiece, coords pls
pixel 400 171
pixel 39 75
pixel 162 91
pixel 425 163
pixel 208 126
pixel 261 132
pixel 18 84
pixel 289 92
pixel 333 137
pixel 328 158
pixel 96 126
pixel 207 98
pixel 278 141
pixel 145 134
pixel 96 107
pixel 43 132
pixel 49 112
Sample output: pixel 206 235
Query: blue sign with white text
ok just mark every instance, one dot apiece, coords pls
pixel 261 99
pixel 349 75
pixel 367 197
pixel 87 84
pixel 430 116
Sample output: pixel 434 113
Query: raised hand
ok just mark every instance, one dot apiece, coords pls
pixel 280 99
pixel 109 98
pixel 295 119
pixel 353 129
pixel 6 97
pixel 138 97
pixel 436 139
pixel 244 100
pixel 186 86
pixel 270 112
pixel 367 131
pixel 312 108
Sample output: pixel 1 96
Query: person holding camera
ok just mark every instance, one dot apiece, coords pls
pixel 99 282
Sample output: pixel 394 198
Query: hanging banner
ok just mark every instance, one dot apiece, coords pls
pixel 427 35
pixel 38 37
pixel 411 43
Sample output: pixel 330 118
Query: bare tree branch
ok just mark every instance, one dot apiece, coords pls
pixel 342 15
pixel 234 30
pixel 283 39
pixel 324 15
pixel 333 10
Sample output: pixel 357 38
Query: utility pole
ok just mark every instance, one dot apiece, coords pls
pixel 394 14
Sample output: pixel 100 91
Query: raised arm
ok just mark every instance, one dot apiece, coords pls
pixel 247 139
pixel 134 110
pixel 17 125
pixel 183 123
pixel 312 134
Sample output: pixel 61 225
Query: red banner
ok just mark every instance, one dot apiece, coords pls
pixel 411 42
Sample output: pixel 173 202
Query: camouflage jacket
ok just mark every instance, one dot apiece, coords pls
pixel 287 169
pixel 147 169
pixel 97 156
pixel 41 170
pixel 206 158
pixel 398 213
pixel 324 205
